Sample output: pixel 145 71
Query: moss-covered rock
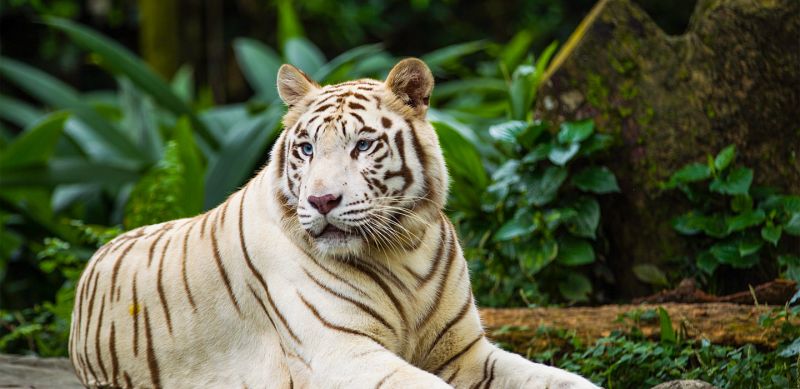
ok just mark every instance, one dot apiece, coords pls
pixel 732 78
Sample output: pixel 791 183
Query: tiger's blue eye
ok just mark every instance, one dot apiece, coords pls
pixel 363 145
pixel 307 149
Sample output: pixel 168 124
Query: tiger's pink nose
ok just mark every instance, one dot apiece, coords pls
pixel 324 203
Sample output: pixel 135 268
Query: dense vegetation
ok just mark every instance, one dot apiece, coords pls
pixel 79 167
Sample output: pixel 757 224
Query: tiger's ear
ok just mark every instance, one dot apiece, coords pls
pixel 412 82
pixel 293 84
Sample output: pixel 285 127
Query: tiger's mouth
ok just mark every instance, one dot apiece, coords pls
pixel 331 232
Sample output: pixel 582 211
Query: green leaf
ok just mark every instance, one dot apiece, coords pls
pixel 576 287
pixel 726 252
pixel 597 142
pixel 245 145
pixel 650 274
pixel 354 55
pixel 560 155
pixel 553 218
pixel 749 245
pixel 139 120
pixel 741 203
pixel 59 95
pixel 37 144
pixel 527 138
pixel 790 203
pixel 450 89
pixel 587 218
pixel 792 226
pixel 724 158
pixel 516 49
pixel 289 25
pixel 438 59
pixel 745 220
pixel 122 61
pixel 574 252
pixel 791 350
pixel 596 179
pixel 543 186
pixel 463 159
pixel 737 182
pixel 183 83
pixel 540 152
pixel 194 171
pixel 792 271
pixel 771 234
pixel 575 132
pixel 535 256
pixel 508 131
pixel 18 112
pixel 160 194
pixel 259 64
pixel 730 252
pixel 690 173
pixel 521 91
pixel 521 225
pixel 689 223
pixel 707 262
pixel 67 171
pixel 301 53
pixel 667 332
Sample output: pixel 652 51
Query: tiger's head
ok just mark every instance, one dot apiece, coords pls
pixel 358 166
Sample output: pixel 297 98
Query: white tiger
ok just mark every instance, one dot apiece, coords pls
pixel 334 267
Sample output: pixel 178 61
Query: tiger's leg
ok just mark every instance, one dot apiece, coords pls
pixel 365 364
pixel 484 365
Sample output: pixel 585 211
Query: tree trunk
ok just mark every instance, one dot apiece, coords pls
pixel 732 78
pixel 720 323
pixel 159 35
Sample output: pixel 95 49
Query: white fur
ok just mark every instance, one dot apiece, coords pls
pixel 311 338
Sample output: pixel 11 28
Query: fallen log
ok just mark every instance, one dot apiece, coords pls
pixel 720 323
pixel 776 292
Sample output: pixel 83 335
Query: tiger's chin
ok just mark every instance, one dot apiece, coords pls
pixel 333 241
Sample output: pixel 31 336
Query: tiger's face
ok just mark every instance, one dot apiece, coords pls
pixel 359 167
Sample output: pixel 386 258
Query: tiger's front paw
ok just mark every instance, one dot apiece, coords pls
pixel 561 380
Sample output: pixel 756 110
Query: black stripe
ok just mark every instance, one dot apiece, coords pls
pixel 386 377
pixel 221 268
pixel 258 274
pixel 457 355
pixel 335 327
pixel 97 337
pixel 183 269
pixel 152 361
pixel 152 248
pixel 365 308
pixel 160 286
pixel 442 280
pixel 135 314
pixel 358 265
pixel 115 272
pixel 112 348
pixel 458 317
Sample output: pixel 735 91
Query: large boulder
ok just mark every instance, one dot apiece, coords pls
pixel 732 78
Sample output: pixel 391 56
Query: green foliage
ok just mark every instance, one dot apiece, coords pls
pixel 44 328
pixel 732 223
pixel 627 359
pixel 529 232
